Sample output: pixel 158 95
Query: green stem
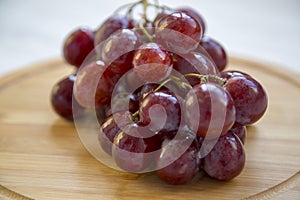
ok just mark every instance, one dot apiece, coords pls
pixel 145 3
pixel 180 83
pixel 206 78
pixel 130 9
pixel 147 34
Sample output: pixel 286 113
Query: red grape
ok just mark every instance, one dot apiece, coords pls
pixel 169 107
pixel 94 85
pixel 185 167
pixel 122 64
pixel 132 153
pixel 111 25
pixel 209 110
pixel 227 158
pixel 118 50
pixel 78 45
pixel 152 63
pixel 109 129
pixel 250 99
pixel 61 97
pixel 195 14
pixel 216 52
pixel 179 33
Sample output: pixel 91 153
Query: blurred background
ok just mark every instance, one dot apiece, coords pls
pixel 32 31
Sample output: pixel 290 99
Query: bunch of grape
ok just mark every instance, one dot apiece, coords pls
pixel 163 100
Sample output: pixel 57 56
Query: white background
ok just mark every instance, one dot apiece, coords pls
pixel 32 31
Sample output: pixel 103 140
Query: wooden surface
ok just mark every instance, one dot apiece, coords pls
pixel 41 156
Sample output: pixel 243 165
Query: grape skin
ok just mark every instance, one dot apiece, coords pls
pixel 110 128
pixel 227 158
pixel 204 96
pixel 216 52
pixel 250 99
pixel 94 85
pixel 178 32
pixel 195 14
pixel 169 102
pixel 131 153
pixel 185 167
pixel 61 97
pixel 78 45
pixel 152 63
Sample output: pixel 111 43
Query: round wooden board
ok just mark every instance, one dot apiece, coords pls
pixel 41 156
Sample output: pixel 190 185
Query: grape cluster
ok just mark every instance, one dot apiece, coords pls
pixel 161 94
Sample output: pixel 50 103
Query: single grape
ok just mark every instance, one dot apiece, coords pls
pixel 202 104
pixel 111 25
pixel 78 45
pixel 61 97
pixel 239 131
pixel 109 129
pixel 232 73
pixel 118 50
pixel 94 85
pixel 132 153
pixel 216 52
pixel 250 99
pixel 195 14
pixel 227 158
pixel 153 116
pixel 186 166
pixel 152 63
pixel 179 33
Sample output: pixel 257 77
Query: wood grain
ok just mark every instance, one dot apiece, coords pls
pixel 41 156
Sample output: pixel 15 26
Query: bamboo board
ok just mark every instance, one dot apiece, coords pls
pixel 41 156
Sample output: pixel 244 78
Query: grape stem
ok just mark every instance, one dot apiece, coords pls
pixel 130 9
pixel 206 78
pixel 145 3
pixel 147 34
